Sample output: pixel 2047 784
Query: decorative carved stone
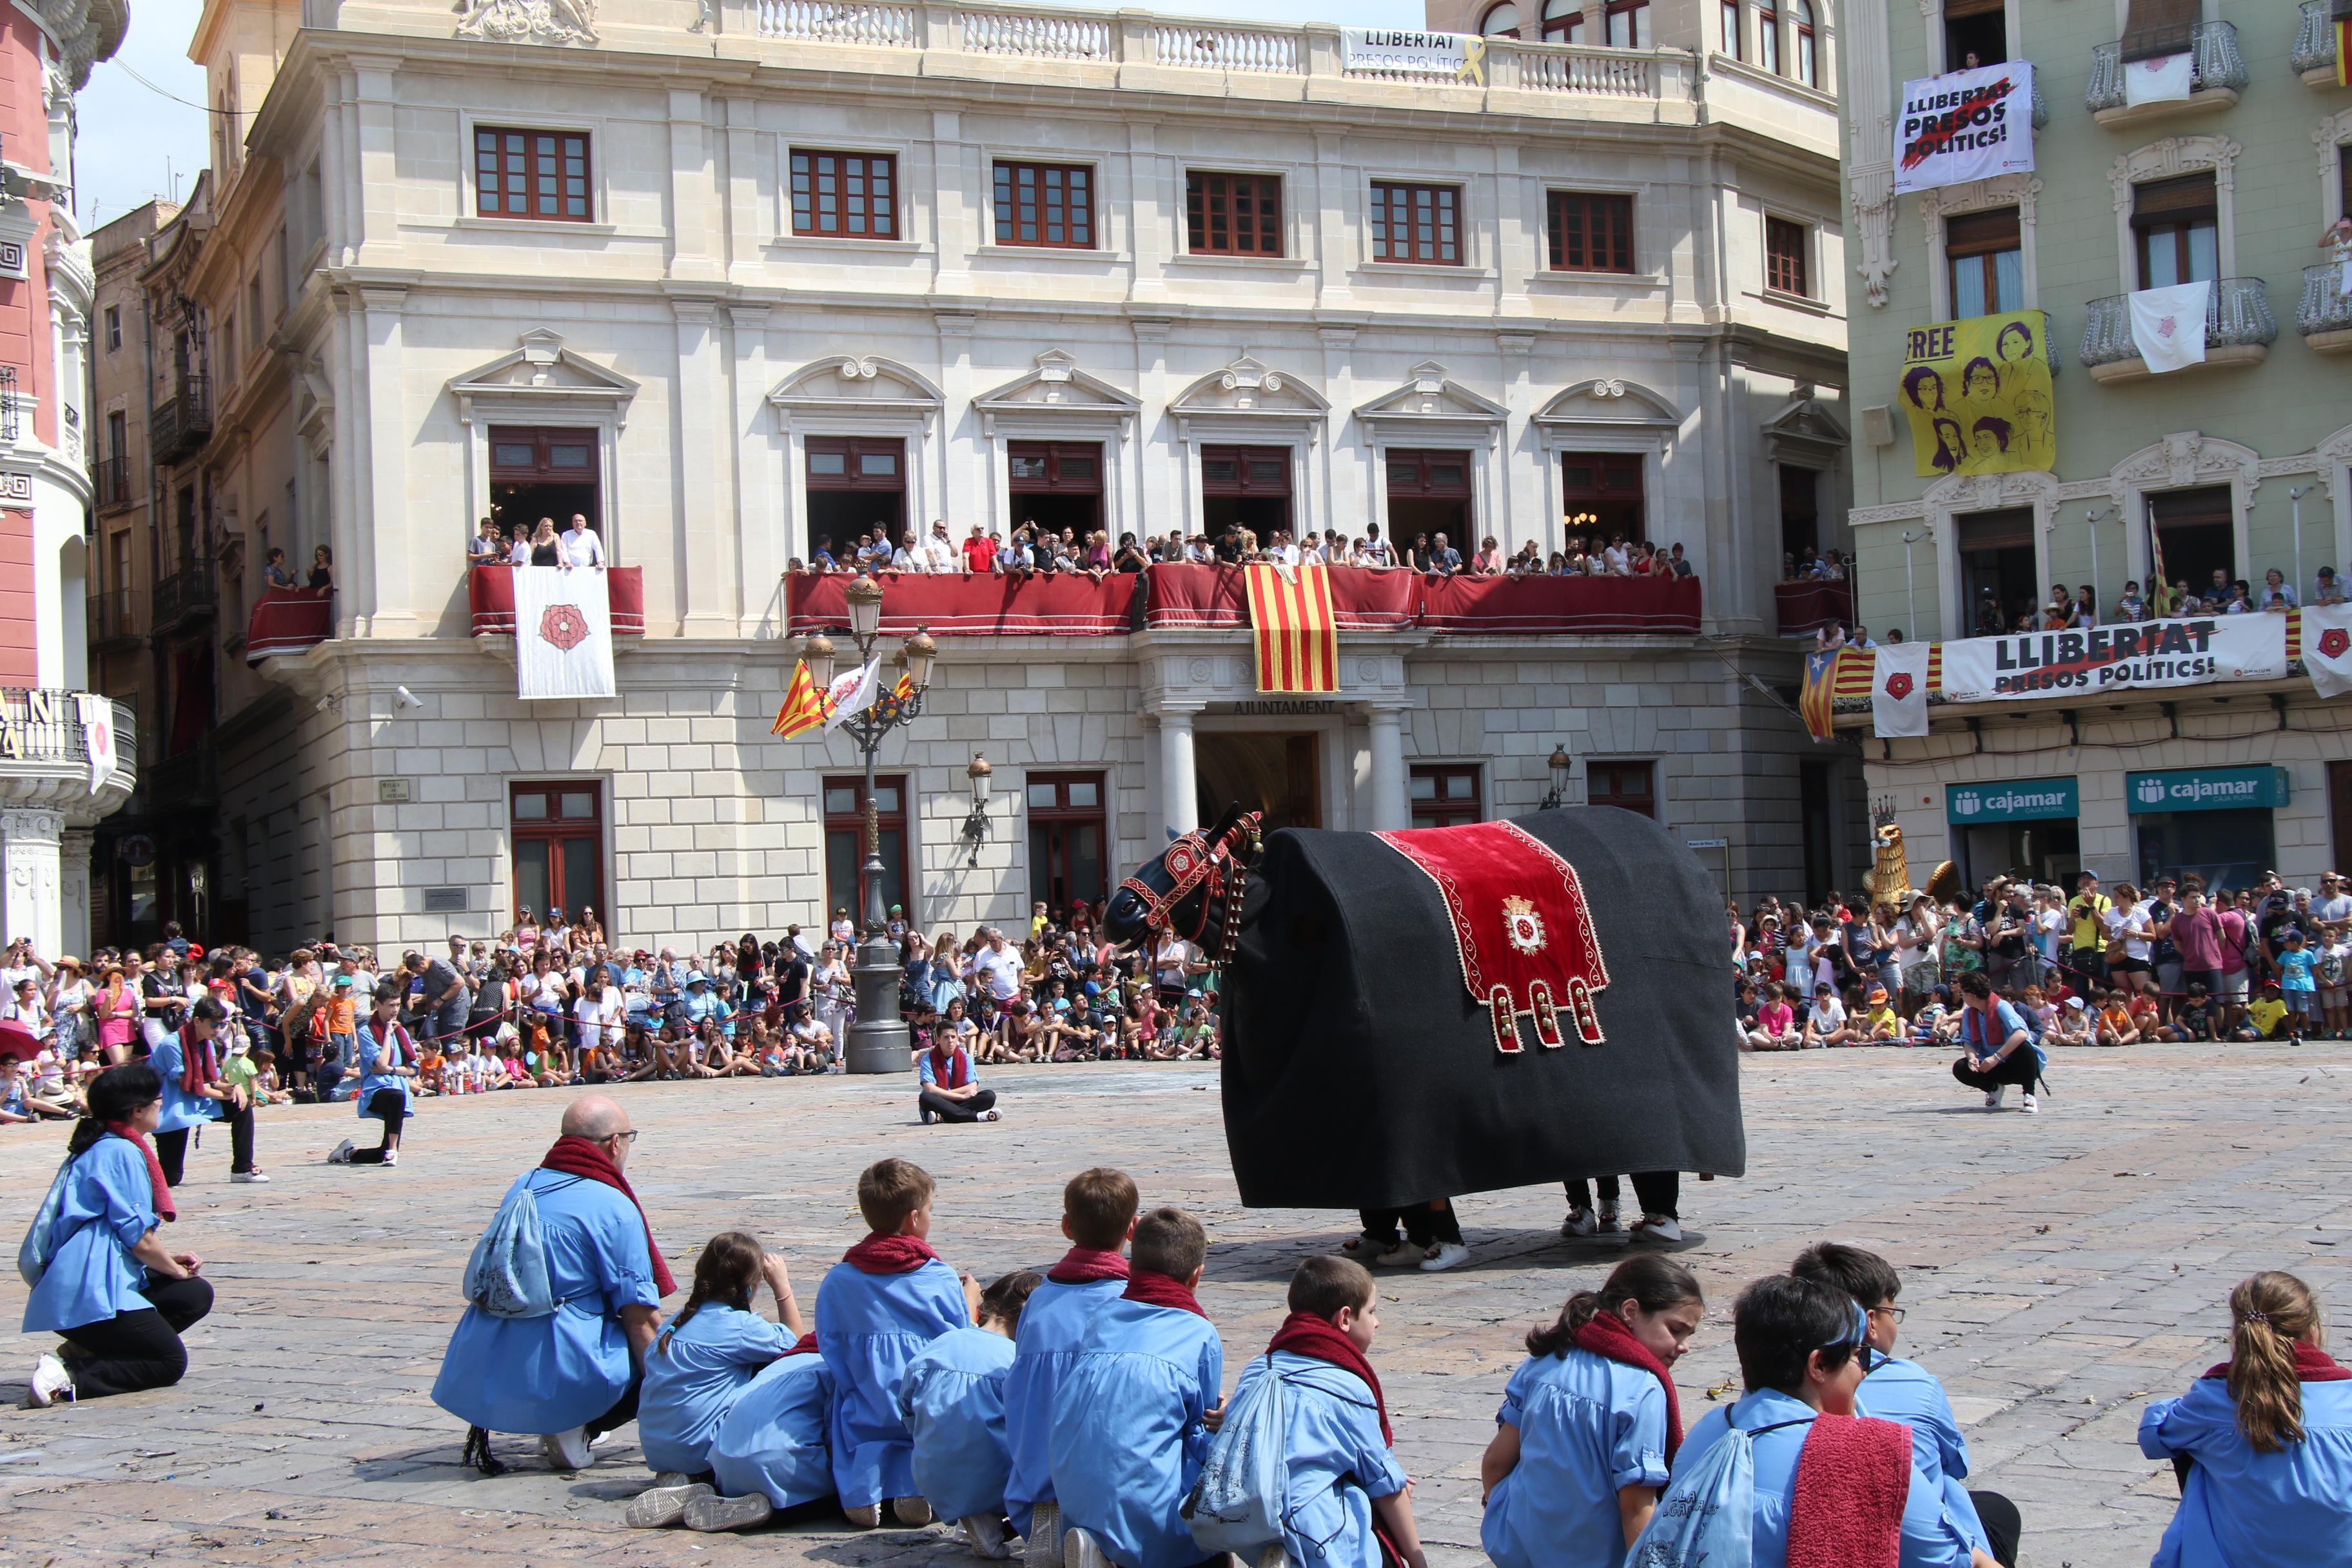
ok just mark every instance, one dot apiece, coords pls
pixel 1876 221
pixel 527 21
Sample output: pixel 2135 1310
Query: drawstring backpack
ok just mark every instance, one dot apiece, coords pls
pixel 507 1275
pixel 1707 1514
pixel 1238 1504
pixel 41 1242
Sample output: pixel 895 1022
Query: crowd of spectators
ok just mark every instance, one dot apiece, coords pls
pixel 551 1003
pixel 537 544
pixel 2085 966
pixel 2076 609
pixel 1035 551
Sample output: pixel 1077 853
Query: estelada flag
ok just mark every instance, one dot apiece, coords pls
pixel 1814 703
pixel 801 710
pixel 1298 635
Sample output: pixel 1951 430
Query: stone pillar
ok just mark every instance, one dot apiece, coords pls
pixel 1389 811
pixel 73 892
pixel 1179 804
pixel 29 852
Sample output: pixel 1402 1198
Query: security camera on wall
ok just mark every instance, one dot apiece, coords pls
pixel 406 698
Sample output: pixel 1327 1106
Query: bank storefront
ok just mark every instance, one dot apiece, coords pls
pixel 2219 823
pixel 2015 826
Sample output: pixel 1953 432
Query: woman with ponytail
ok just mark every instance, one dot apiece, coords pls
pixel 2262 1442
pixel 108 1284
pixel 700 1361
pixel 1591 1422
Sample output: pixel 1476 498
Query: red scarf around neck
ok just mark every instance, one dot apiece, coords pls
pixel 165 1210
pixel 950 1068
pixel 576 1156
pixel 1154 1288
pixel 1608 1337
pixel 1084 1266
pixel 1304 1333
pixel 199 1064
pixel 804 1345
pixel 1853 1477
pixel 2312 1364
pixel 880 1254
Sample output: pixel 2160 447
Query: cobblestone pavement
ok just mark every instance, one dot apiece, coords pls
pixel 2060 1269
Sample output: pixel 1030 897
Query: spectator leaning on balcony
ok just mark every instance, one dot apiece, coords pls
pixel 581 545
pixel 2276 595
pixel 2329 589
pixel 940 553
pixel 276 575
pixel 487 546
pixel 322 570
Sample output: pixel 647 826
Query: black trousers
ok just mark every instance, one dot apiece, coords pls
pixel 172 1148
pixel 946 1108
pixel 2004 1527
pixel 393 1106
pixel 624 1409
pixel 132 1350
pixel 2020 1067
pixel 1425 1223
pixel 1656 1190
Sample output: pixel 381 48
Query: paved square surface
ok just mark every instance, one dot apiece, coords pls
pixel 2059 1270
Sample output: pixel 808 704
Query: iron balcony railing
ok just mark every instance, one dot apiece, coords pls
pixel 110 476
pixel 2314 40
pixel 185 422
pixel 42 724
pixel 11 412
pixel 2325 307
pixel 2237 314
pixel 183 593
pixel 112 617
pixel 2215 63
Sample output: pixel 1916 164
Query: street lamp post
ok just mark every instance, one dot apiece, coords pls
pixel 878 1041
pixel 1558 764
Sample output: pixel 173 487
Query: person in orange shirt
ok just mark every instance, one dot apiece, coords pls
pixel 343 1019
pixel 2116 1027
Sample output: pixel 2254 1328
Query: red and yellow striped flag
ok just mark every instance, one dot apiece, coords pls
pixel 904 689
pixel 1298 635
pixel 802 709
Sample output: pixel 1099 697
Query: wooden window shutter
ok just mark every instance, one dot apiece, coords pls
pixel 2158 27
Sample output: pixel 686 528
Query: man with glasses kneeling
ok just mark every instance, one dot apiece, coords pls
pixel 562 1296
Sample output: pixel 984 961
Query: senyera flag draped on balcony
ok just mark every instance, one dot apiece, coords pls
pixel 1297 636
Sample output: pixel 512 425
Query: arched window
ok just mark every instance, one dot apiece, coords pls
pixel 1808 62
pixel 1628 22
pixel 1563 21
pixel 1767 35
pixel 1501 21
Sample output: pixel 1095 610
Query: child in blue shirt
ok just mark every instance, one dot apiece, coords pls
pixel 886 1299
pixel 2263 1442
pixel 698 1365
pixel 953 1402
pixel 1337 1441
pixel 1129 1427
pixel 770 1454
pixel 1591 1422
pixel 2298 982
pixel 1097 1219
pixel 1897 1390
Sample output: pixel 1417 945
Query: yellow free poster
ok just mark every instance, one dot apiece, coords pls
pixel 1978 395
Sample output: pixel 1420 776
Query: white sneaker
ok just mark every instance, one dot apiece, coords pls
pixel 984 1535
pixel 1657 1227
pixel 1081 1550
pixel 392 1156
pixel 50 1379
pixel 1608 1225
pixel 342 1152
pixel 1580 1222
pixel 1992 1098
pixel 248 1176
pixel 1445 1255
pixel 710 1512
pixel 1397 1256
pixel 911 1511
pixel 567 1450
pixel 1042 1547
pixel 2028 1105
pixel 661 1505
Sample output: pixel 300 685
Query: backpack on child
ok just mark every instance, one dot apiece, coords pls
pixel 507 1275
pixel 1238 1503
pixel 1707 1515
pixel 40 1244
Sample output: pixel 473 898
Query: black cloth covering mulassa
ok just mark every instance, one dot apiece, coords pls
pixel 1360 1074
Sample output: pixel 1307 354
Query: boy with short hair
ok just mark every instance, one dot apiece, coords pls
pixel 1894 1389
pixel 886 1299
pixel 2299 983
pixel 1884 1026
pixel 2266 1018
pixel 1826 1024
pixel 1337 1441
pixel 1097 1217
pixel 1129 1431
pixel 2198 1020
pixel 2115 1026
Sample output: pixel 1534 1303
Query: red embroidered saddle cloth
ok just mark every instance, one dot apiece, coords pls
pixel 1521 927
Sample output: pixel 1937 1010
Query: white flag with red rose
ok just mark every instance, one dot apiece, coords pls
pixel 1898 689
pixel 2327 647
pixel 97 715
pixel 563 633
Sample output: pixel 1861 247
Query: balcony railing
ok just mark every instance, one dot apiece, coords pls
pixel 182 595
pixel 288 621
pixel 113 617
pixel 2323 314
pixel 2237 316
pixel 44 725
pixel 185 422
pixel 12 417
pixel 2215 65
pixel 2315 44
pixel 490 599
pixel 1807 605
pixel 110 476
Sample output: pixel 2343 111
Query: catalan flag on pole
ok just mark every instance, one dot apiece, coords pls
pixel 1298 635
pixel 802 710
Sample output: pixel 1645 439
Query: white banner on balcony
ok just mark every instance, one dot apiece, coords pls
pixel 1965 125
pixel 1395 51
pixel 2164 80
pixel 2190 652
pixel 2168 326
pixel 2327 647
pixel 97 713
pixel 563 633
pixel 1898 689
